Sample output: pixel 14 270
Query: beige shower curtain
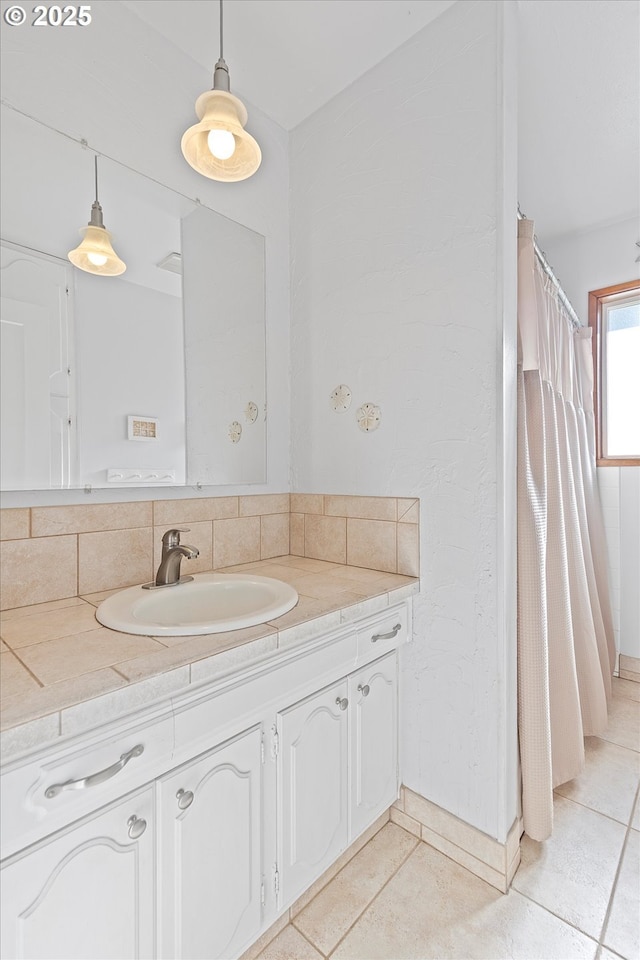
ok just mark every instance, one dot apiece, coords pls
pixel 566 651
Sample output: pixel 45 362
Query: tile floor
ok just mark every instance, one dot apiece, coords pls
pixel 575 896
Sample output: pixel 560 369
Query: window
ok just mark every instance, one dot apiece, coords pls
pixel 614 316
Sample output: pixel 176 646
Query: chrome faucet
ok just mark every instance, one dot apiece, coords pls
pixel 172 553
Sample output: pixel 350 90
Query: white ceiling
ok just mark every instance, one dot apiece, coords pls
pixel 579 113
pixel 289 57
pixel 579 82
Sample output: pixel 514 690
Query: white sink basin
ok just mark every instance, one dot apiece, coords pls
pixel 210 603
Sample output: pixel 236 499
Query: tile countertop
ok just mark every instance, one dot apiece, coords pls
pixel 62 672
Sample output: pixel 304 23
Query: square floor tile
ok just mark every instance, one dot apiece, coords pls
pixel 623 927
pixel 263 941
pixel 434 909
pixel 289 945
pixel 624 723
pixel 609 780
pixel 334 910
pixel 627 689
pixel 572 873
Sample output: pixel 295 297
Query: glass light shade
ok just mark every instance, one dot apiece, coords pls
pixel 97 259
pixel 219 110
pixel 95 246
pixel 221 143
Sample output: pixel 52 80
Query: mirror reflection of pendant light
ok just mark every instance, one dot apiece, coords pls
pixel 95 254
pixel 219 147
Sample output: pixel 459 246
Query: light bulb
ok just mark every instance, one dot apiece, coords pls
pixel 221 143
pixel 97 259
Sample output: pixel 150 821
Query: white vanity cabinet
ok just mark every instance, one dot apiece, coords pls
pixel 375 777
pixel 183 831
pixel 210 852
pixel 313 781
pixel 86 893
pixel 337 771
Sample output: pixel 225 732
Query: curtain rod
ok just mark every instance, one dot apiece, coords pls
pixel 546 266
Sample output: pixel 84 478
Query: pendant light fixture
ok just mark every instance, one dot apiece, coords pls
pixel 219 147
pixel 95 254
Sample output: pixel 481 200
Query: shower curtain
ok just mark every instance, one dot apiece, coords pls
pixel 566 651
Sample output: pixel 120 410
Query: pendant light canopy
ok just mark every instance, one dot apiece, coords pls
pixel 95 254
pixel 219 147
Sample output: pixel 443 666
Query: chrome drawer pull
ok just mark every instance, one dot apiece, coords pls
pixel 136 827
pixel 95 778
pixel 387 636
pixel 364 690
pixel 342 703
pixel 184 798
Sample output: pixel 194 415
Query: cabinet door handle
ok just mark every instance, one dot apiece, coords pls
pixel 184 798
pixel 137 827
pixel 363 689
pixel 342 702
pixel 95 778
pixel 387 636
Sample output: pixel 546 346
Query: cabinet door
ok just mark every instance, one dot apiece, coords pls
pixel 88 893
pixel 374 741
pixel 210 859
pixel 313 787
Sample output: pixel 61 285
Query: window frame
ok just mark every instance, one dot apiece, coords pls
pixel 598 299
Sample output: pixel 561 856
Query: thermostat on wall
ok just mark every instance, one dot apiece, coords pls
pixel 142 428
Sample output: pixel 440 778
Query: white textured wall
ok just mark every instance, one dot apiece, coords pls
pixel 620 496
pixel 591 260
pixel 630 561
pixel 399 283
pixel 130 94
pixel 609 489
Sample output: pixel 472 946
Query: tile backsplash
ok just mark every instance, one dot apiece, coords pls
pixel 377 532
pixel 53 553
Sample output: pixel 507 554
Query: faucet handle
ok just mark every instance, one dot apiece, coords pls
pixel 171 538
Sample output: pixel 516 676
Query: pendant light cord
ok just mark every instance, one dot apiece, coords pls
pixel 221 70
pixel 96 210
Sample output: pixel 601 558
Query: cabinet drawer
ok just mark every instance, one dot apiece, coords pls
pixel 229 711
pixel 383 633
pixel 49 793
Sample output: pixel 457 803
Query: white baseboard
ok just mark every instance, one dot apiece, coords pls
pixel 476 851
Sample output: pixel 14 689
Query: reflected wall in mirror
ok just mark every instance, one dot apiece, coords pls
pixel 177 342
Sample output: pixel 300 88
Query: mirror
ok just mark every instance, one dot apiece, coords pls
pixel 153 378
